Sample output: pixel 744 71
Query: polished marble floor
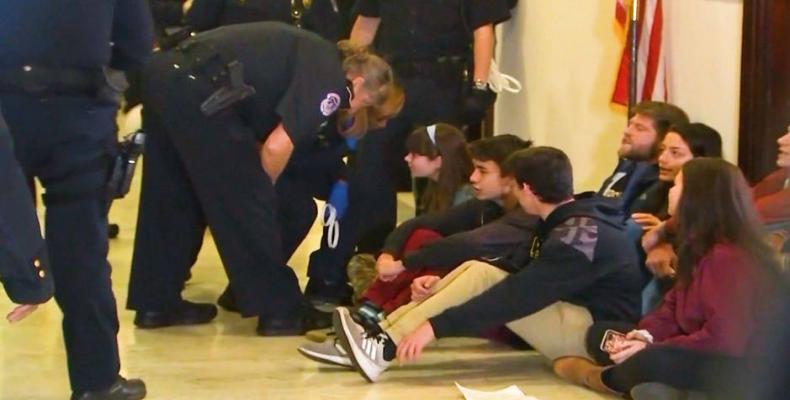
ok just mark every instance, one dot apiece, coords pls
pixel 226 360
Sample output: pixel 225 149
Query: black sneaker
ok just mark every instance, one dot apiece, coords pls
pixel 186 313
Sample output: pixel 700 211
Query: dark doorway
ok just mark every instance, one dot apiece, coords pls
pixel 765 84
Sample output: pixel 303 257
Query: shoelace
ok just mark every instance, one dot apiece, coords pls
pixel 499 81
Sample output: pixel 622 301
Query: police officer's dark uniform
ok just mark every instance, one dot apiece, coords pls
pixel 202 167
pixel 204 15
pixel 61 113
pixel 328 18
pixel 24 263
pixel 427 42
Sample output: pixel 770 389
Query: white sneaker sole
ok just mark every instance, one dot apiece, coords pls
pixel 357 357
pixel 325 358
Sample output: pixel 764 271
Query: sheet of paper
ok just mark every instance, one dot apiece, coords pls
pixel 509 393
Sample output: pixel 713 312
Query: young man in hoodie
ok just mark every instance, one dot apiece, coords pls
pixel 548 291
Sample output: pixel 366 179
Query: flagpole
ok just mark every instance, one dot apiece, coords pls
pixel 633 40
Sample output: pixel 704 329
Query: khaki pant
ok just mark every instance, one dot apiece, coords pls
pixel 556 331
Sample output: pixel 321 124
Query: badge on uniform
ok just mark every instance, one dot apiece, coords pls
pixel 330 104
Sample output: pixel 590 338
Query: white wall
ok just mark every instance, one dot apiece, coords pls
pixel 566 53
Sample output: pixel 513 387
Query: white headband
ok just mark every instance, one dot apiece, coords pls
pixel 431 133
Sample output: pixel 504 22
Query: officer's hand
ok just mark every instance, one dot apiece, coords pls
pixel 338 198
pixel 20 312
pixel 351 143
pixel 476 104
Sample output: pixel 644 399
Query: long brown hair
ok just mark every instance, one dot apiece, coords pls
pixel 450 144
pixel 716 207
pixel 386 96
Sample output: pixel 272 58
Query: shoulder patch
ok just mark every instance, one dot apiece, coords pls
pixel 330 104
pixel 581 233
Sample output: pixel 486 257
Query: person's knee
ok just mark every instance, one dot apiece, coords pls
pixel 484 273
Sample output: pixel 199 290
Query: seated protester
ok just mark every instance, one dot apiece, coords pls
pixel 490 225
pixel 681 144
pixel 438 152
pixel 771 200
pixel 636 170
pixel 772 197
pixel 487 226
pixel 725 274
pixel 571 273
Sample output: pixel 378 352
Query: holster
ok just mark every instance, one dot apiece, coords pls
pixel 122 172
pixel 223 71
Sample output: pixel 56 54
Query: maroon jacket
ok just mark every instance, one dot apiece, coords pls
pixel 716 311
pixel 771 198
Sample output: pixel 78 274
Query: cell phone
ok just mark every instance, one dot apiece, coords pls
pixel 612 341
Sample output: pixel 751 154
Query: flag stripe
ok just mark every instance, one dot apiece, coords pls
pixel 651 64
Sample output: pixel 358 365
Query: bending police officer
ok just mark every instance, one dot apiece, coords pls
pixel 430 45
pixel 224 112
pixel 60 106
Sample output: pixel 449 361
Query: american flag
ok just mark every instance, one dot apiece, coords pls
pixel 651 57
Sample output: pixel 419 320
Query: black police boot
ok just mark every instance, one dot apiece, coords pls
pixel 308 319
pixel 122 389
pixel 227 300
pixel 186 313
pixel 326 295
pixel 280 326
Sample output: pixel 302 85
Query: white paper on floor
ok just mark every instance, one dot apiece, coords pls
pixel 509 393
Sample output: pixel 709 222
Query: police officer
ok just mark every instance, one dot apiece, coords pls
pixel 328 18
pixel 60 102
pixel 224 112
pixel 428 44
pixel 321 16
pixel 24 264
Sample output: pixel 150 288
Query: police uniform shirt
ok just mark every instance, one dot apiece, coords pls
pixel 297 76
pixel 44 33
pixel 24 264
pixel 209 14
pixel 427 29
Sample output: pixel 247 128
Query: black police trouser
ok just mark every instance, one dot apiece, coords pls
pixel 372 210
pixel 59 140
pixel 204 172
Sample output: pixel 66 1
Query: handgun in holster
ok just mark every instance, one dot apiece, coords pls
pixel 174 36
pixel 234 91
pixel 129 151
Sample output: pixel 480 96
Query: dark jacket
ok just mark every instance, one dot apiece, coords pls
pixel 85 34
pixel 473 229
pixel 576 256
pixel 24 265
pixel 628 183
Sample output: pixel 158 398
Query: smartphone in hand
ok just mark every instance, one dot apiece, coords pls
pixel 612 341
